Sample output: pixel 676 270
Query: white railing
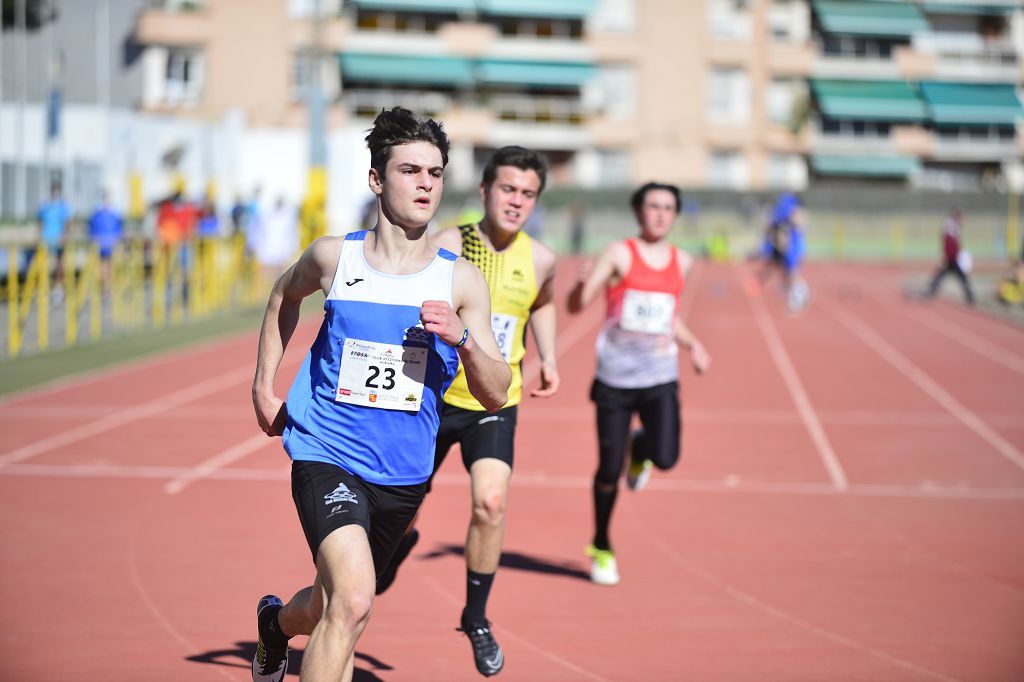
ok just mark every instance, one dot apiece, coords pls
pixel 368 103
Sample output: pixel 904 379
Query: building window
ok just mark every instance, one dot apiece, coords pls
pixel 730 19
pixel 304 9
pixel 304 74
pixel 865 129
pixel 183 82
pixel 526 109
pixel 183 5
pixel 400 22
pixel 541 29
pixel 727 170
pixel 789 21
pixel 728 96
pixel 785 171
pixel 856 48
pixel 781 98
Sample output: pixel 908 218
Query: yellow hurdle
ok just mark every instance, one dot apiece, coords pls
pixel 13 309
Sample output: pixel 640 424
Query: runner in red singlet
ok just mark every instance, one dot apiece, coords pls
pixel 637 358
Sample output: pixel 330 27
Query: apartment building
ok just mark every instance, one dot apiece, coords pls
pixel 725 94
pixel 926 92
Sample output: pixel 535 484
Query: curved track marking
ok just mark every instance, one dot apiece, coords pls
pixel 452 599
pixel 751 600
pixel 154 610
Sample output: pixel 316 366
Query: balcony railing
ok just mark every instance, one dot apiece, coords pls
pixel 368 103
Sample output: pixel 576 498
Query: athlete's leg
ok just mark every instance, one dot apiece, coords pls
pixel 662 426
pixel 345 569
pixel 489 481
pixel 302 612
pixel 612 435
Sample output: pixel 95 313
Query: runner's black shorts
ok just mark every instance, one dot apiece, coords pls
pixel 328 498
pixel 480 434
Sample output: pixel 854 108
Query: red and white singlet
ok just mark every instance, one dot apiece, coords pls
pixel 636 347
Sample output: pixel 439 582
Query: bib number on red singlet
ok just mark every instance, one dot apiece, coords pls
pixel 648 312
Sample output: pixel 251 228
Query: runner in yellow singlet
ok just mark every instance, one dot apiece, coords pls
pixel 520 272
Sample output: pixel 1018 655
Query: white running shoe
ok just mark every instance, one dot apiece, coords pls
pixel 603 568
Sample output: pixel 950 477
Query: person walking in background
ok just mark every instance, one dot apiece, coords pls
pixel 637 358
pixel 577 227
pixel 106 230
pixel 362 414
pixel 53 216
pixel 955 259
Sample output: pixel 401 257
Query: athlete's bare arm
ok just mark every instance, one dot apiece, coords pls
pixel 314 270
pixel 487 374
pixel 543 321
pixel 699 356
pixel 592 279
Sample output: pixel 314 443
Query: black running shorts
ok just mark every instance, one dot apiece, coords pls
pixel 327 498
pixel 480 434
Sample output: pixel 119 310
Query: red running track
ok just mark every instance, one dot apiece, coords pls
pixel 848 506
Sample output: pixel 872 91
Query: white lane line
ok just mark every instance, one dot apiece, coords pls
pixel 218 462
pixel 930 387
pixel 126 416
pixel 206 413
pixel 798 394
pixel 728 484
pixel 949 329
pixel 972 341
pixel 753 601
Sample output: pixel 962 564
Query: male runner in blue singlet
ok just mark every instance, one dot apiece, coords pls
pixel 361 417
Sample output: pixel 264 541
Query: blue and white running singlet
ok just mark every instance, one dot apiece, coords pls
pixel 367 397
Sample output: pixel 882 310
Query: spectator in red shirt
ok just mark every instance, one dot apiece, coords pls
pixel 956 260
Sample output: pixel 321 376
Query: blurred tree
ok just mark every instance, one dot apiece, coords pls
pixel 37 13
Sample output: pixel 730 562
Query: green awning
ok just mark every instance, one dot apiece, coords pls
pixel 430 70
pixel 865 166
pixel 969 10
pixel 549 9
pixel 535 74
pixel 868 100
pixel 437 6
pixel 956 104
pixel 878 19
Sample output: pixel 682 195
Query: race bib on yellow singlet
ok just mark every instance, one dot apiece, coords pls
pixel 648 312
pixel 388 376
pixel 504 327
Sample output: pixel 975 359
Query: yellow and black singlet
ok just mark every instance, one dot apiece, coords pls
pixel 513 283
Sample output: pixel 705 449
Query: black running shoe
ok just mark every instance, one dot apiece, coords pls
pixel 489 657
pixel 270 663
pixel 405 546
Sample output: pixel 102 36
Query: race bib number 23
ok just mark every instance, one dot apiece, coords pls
pixel 383 375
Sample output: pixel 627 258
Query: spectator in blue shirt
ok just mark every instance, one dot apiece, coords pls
pixel 106 230
pixel 53 219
